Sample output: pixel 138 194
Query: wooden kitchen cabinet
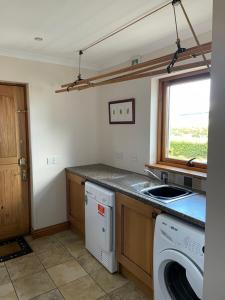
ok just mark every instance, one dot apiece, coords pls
pixel 135 223
pixel 76 202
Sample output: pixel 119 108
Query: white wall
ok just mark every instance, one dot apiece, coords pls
pixel 75 128
pixel 120 145
pixel 126 146
pixel 64 125
pixel 214 283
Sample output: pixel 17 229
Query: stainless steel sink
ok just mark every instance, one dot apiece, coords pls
pixel 166 193
pixel 142 185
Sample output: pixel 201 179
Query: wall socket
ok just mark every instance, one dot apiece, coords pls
pixel 118 155
pixel 134 157
pixel 52 160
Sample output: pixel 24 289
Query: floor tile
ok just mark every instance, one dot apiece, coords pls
pixel 7 292
pixel 66 272
pixel 53 295
pixel 23 266
pixel 54 255
pixel 4 276
pixel 33 285
pixel 128 292
pixel 83 288
pixel 108 281
pixel 76 248
pixel 89 263
pixel 66 235
pixel 106 297
pixel 42 244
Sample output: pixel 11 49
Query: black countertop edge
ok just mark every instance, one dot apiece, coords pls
pixel 163 207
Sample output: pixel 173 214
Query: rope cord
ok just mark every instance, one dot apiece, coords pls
pixel 175 20
pixel 79 74
pixel 132 22
pixel 179 48
pixel 195 36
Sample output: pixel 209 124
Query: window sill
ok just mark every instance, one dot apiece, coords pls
pixel 182 171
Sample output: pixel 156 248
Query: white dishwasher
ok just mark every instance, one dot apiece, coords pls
pixel 100 224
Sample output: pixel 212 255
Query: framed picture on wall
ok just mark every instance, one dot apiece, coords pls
pixel 122 111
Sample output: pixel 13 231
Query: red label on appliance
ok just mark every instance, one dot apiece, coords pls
pixel 101 210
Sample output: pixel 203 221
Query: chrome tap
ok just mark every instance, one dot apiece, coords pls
pixel 164 176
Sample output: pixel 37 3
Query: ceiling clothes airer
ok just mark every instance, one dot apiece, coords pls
pixel 81 52
pixel 154 67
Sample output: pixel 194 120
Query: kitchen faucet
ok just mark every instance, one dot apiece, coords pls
pixel 164 176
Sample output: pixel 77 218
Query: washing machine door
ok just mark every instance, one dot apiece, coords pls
pixel 179 278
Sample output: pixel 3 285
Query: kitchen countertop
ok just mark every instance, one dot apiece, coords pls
pixel 191 209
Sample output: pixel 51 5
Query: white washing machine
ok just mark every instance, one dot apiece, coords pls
pixel 178 260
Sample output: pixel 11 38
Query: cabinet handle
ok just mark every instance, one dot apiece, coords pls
pixel 154 215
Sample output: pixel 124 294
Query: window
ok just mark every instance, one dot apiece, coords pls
pixel 183 120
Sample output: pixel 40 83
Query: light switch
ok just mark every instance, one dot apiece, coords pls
pixel 51 160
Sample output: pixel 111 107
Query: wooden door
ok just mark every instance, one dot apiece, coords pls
pixel 135 233
pixel 76 203
pixel 14 204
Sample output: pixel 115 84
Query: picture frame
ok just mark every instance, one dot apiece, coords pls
pixel 122 111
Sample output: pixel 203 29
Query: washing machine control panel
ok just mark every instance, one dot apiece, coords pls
pixel 193 246
pixel 187 238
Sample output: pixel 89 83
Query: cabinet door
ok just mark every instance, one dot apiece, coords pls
pixel 135 232
pixel 76 203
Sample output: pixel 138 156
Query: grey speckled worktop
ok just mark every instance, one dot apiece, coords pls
pixel 191 209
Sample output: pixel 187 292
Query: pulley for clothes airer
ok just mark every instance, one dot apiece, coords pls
pixel 79 76
pixel 176 2
pixel 178 43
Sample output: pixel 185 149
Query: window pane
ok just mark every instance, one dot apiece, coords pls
pixel 188 120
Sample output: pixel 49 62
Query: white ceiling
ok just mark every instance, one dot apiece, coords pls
pixel 68 25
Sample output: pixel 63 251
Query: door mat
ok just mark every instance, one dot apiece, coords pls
pixel 13 248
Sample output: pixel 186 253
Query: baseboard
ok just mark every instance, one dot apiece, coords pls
pixel 50 230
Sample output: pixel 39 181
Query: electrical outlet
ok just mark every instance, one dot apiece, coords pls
pixel 188 181
pixel 52 160
pixel 118 155
pixel 179 179
pixel 197 184
pixel 135 60
pixel 134 157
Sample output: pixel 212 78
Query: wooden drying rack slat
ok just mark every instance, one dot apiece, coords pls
pixel 165 58
pixel 137 76
pixel 149 65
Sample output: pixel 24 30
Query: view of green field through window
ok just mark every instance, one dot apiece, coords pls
pixel 188 120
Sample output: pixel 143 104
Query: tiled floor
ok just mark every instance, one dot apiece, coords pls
pixel 61 268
